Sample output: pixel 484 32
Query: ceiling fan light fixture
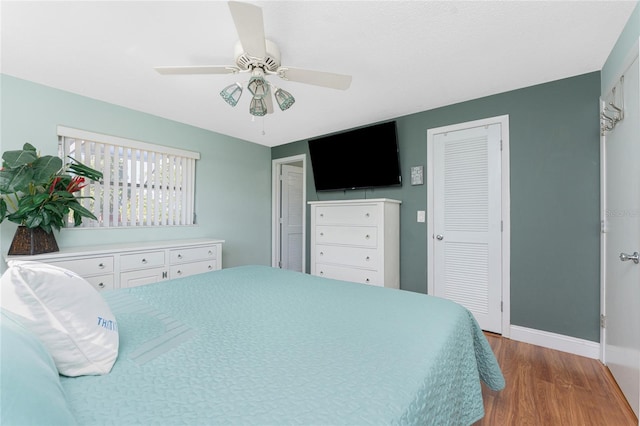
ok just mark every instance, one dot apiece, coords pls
pixel 258 107
pixel 260 57
pixel 284 99
pixel 231 94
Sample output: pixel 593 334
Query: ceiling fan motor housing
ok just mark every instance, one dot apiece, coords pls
pixel 271 61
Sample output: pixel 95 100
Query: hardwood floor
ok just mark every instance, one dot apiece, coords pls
pixel 545 387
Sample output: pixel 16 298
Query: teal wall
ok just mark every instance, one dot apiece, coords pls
pixel 233 177
pixel 555 213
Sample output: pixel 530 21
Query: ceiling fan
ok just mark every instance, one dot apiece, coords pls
pixel 260 57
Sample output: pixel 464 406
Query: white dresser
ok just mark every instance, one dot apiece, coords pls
pixel 356 240
pixel 129 265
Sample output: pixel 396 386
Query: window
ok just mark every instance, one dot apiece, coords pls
pixel 143 184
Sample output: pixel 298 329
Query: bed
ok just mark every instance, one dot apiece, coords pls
pixel 255 345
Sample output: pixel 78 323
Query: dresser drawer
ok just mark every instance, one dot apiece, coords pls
pixel 345 255
pixel 362 276
pixel 87 266
pixel 141 260
pixel 101 282
pixel 192 254
pixel 186 269
pixel 359 214
pixel 364 236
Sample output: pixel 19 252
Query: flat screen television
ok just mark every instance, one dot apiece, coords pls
pixel 357 159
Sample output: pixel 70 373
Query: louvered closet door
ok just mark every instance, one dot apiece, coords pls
pixel 467 210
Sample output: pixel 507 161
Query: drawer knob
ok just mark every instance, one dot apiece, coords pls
pixel 321 214
pixel 321 272
pixel 367 258
pixel 179 256
pixel 367 215
pixel 144 261
pixel 322 234
pixel 179 272
pixel 210 252
pixel 366 280
pixel 101 266
pixel 210 267
pixel 366 237
pixel 101 285
pixel 321 253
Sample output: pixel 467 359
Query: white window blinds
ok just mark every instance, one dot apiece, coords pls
pixel 143 184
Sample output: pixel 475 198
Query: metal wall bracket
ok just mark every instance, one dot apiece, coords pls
pixel 612 108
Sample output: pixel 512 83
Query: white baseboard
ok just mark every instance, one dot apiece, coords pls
pixel 555 341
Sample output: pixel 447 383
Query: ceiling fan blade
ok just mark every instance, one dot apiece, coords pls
pixel 250 26
pixel 198 69
pixel 317 78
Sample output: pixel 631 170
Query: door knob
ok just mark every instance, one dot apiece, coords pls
pixel 635 257
pixel 439 237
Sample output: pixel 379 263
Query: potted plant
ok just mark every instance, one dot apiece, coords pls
pixel 38 192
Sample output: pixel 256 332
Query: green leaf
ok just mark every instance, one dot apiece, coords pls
pixel 39 198
pixel 24 208
pixel 18 158
pixel 3 209
pixel 83 212
pixel 46 218
pixel 33 221
pixel 54 208
pixel 16 180
pixel 77 218
pixel 46 228
pixel 65 195
pixel 82 170
pixel 28 147
pixel 44 168
pixel 6 177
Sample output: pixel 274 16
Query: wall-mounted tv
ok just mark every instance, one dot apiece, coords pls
pixel 357 159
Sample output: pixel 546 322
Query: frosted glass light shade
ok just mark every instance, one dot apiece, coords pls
pixel 284 99
pixel 258 87
pixel 231 94
pixel 258 107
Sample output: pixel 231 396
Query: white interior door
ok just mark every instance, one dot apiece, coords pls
pixel 292 212
pixel 289 205
pixel 621 235
pixel 466 212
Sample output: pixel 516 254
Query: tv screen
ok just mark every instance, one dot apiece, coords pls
pixel 356 159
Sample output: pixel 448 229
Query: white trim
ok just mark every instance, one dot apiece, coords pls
pixel 276 171
pixel 503 120
pixel 555 341
pixel 129 143
pixel 603 264
pixel 506 224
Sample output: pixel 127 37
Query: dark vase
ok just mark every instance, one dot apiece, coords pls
pixel 29 241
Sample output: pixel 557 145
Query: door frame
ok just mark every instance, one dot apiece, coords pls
pixel 503 120
pixel 276 198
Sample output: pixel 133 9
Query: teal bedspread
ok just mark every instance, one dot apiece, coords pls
pixel 255 345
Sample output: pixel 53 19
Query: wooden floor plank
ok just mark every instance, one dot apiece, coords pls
pixel 548 387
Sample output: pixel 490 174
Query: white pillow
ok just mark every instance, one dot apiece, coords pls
pixel 67 313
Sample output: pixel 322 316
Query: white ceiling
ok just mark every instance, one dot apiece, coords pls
pixel 404 56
